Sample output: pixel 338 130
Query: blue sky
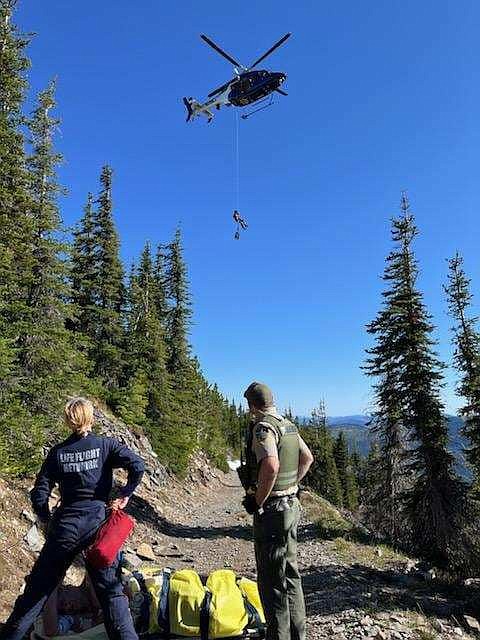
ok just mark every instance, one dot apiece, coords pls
pixel 382 97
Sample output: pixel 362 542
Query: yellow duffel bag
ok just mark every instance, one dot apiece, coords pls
pixel 185 600
pixel 178 604
pixel 249 589
pixel 227 615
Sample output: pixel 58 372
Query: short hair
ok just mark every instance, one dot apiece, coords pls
pixel 259 394
pixel 79 415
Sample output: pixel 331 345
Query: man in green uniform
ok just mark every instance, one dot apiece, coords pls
pixel 277 459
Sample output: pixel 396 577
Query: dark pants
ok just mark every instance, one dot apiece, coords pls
pixel 71 531
pixel 279 582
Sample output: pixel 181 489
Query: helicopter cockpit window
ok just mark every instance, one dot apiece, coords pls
pixel 244 84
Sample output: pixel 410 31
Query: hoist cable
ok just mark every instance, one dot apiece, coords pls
pixel 237 158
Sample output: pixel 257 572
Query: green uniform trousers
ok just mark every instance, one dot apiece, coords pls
pixel 279 582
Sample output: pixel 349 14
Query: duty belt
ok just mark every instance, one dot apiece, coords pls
pixel 280 503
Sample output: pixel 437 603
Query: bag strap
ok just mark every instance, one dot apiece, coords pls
pixel 205 615
pixel 144 621
pixel 163 617
pixel 254 619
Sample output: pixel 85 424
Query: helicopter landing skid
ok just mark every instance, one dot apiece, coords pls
pixel 268 101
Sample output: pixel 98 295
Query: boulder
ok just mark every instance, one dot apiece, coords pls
pixel 145 552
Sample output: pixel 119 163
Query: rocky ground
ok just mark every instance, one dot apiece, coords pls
pixel 353 591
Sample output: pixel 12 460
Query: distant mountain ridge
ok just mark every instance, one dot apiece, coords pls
pixel 359 436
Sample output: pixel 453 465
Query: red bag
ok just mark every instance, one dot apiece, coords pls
pixel 110 539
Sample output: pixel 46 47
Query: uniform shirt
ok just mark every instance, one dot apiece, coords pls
pixel 82 466
pixel 265 443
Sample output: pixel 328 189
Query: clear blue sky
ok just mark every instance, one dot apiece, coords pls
pixel 382 97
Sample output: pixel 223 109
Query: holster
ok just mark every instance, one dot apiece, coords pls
pixel 244 476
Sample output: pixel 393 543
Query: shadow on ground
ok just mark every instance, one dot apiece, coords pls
pixel 142 511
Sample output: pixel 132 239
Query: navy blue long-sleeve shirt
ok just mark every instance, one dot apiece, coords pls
pixel 82 466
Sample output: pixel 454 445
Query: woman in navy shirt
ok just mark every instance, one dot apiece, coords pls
pixel 82 467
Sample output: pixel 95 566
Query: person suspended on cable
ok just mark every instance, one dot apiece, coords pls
pixel 82 467
pixel 239 220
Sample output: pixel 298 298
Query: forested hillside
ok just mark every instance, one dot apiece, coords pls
pixel 71 320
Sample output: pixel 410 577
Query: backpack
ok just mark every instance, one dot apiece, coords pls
pixel 178 604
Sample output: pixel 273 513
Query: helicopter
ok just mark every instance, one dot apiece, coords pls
pixel 245 88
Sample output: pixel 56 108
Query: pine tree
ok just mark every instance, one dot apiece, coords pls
pixel 374 494
pixel 404 359
pixel 15 224
pixel 84 273
pixel 345 473
pixel 98 291
pixel 146 341
pixel 466 342
pixel 21 433
pixel 358 466
pixel 133 404
pixel 110 291
pixel 48 355
pixel 340 452
pixel 15 229
pixel 180 312
pixel 323 476
pixel 160 293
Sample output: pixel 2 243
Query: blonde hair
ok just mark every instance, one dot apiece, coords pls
pixel 79 415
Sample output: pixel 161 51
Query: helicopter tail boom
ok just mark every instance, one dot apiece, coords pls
pixel 195 108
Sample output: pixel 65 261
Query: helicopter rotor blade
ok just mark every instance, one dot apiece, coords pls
pixel 283 93
pixel 271 50
pixel 221 51
pixel 220 89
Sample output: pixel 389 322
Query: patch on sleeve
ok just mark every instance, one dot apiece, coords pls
pixel 262 433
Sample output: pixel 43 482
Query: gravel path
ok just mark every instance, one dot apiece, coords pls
pixel 352 591
pixel 347 597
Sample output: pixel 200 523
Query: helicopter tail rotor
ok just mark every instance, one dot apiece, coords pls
pixel 187 103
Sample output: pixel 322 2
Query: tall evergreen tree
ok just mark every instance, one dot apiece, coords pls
pixel 98 288
pixel 466 342
pixel 146 341
pixel 384 494
pixel 323 476
pixel 84 273
pixel 110 288
pixel 15 229
pixel 435 504
pixel 20 431
pixel 15 224
pixel 48 354
pixel 345 472
pixel 180 312
pixel 159 276
pixel 358 464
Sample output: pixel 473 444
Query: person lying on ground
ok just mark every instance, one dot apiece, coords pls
pixel 71 609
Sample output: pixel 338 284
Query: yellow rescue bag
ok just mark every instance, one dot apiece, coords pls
pixel 185 601
pixel 249 590
pixel 177 604
pixel 227 614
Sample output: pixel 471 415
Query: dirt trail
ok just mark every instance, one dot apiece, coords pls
pixel 352 591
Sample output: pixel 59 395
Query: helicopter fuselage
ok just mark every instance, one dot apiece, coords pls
pixel 254 85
